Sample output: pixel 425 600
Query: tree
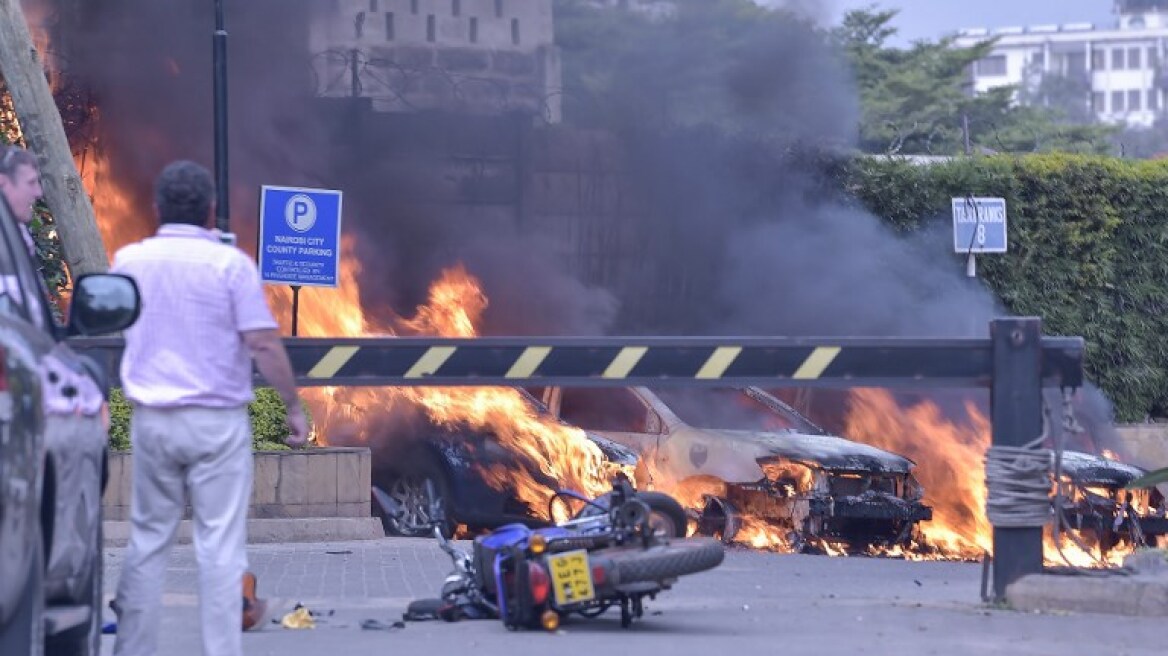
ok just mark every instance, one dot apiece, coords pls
pixel 917 100
pixel 44 133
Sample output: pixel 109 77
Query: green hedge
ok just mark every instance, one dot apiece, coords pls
pixel 269 425
pixel 1088 251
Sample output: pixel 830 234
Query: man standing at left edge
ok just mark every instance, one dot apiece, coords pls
pixel 187 370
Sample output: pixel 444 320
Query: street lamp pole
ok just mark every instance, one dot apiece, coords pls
pixel 222 209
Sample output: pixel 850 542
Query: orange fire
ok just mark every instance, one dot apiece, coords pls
pixel 949 457
pixel 949 464
pixel 454 309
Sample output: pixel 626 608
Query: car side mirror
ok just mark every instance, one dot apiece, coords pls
pixel 103 303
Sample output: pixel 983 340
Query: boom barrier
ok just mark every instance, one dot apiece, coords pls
pixel 1015 362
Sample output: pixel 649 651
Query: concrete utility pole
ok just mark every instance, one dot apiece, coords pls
pixel 44 133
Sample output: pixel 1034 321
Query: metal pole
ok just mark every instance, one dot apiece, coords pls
pixel 1016 414
pixel 295 308
pixel 222 207
pixel 354 74
pixel 965 133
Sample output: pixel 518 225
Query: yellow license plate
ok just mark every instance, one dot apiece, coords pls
pixel 571 578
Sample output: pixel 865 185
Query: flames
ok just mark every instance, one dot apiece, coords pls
pixel 454 308
pixel 949 463
pixel 948 452
pixel 949 455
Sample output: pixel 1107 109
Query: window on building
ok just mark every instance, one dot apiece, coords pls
pixel 414 7
pixel 1153 57
pixel 1116 101
pixel 1133 57
pixel 1076 62
pixel 992 66
pixel 389 26
pixel 1134 98
pixel 1153 100
pixel 373 8
pixel 474 30
pixel 431 28
pixel 515 31
pixel 498 8
pixel 1098 60
pixel 1098 102
pixel 1038 59
pixel 456 7
pixel 1117 59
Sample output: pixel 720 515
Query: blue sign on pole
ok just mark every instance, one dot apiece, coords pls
pixel 300 236
pixel 979 225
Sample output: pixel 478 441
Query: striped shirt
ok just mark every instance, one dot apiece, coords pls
pixel 198 296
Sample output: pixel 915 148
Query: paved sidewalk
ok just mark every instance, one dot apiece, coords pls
pixel 761 603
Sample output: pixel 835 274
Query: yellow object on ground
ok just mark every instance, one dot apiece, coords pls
pixel 298 619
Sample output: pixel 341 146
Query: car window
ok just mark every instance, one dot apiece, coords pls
pixel 727 409
pixel 604 409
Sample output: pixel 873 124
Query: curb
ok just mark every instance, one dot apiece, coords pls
pixel 270 531
pixel 1140 595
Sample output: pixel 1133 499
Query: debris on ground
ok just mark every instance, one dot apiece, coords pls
pixel 300 618
pixel 378 625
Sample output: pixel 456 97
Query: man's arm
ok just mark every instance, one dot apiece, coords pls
pixel 272 360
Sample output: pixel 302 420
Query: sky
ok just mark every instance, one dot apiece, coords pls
pixel 930 19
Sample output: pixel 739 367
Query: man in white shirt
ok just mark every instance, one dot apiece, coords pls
pixel 187 370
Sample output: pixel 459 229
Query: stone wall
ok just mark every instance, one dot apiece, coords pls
pixel 1145 445
pixel 324 482
pixel 469 56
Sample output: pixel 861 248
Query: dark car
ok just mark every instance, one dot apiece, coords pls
pixel 53 436
pixel 421 467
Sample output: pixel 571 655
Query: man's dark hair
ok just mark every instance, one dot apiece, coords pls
pixel 12 157
pixel 183 193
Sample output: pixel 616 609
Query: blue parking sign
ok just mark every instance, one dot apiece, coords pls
pixel 300 236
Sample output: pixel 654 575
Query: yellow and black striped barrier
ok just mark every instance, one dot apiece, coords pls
pixel 619 361
pixel 1015 362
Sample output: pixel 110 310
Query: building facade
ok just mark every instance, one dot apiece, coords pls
pixel 470 56
pixel 1119 68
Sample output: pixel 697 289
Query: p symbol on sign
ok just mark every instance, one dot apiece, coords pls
pixel 300 213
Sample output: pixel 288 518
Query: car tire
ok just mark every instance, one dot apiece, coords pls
pixel 84 640
pixel 25 632
pixel 408 488
pixel 665 513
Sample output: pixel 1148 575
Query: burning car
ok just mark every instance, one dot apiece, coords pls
pixel 1097 506
pixel 468 475
pixel 740 456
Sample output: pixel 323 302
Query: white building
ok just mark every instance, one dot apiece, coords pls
pixel 1121 64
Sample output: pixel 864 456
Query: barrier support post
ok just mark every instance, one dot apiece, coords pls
pixel 1016 416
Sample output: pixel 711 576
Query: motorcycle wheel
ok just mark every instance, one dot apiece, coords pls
pixel 667 561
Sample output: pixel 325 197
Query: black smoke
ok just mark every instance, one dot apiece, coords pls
pixel 744 232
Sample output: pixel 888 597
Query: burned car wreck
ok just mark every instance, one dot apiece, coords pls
pixel 734 454
pixel 1096 505
pixel 428 469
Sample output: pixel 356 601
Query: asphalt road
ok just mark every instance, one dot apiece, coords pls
pixel 754 603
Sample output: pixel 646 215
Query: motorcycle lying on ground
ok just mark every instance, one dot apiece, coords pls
pixel 619 549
